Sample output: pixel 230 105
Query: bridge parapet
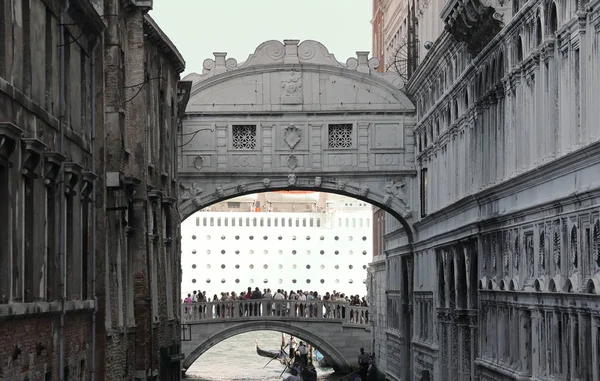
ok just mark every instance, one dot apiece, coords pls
pixel 209 312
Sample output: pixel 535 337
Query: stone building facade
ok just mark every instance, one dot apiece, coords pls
pixel 503 277
pixel 90 102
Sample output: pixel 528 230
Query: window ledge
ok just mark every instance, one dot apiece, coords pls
pixel 26 309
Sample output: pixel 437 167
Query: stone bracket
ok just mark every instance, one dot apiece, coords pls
pixel 9 136
pixel 52 162
pixel 72 175
pixel 32 156
pixel 87 185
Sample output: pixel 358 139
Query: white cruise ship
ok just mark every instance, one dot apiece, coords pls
pixel 290 240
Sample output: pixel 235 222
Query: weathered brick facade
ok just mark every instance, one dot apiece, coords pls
pixel 90 102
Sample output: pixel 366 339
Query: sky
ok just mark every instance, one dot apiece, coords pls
pixel 200 27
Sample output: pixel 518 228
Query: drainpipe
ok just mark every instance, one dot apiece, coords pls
pixel 93 202
pixel 62 239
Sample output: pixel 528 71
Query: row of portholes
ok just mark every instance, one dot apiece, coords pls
pixel 237 237
pixel 294 267
pixel 294 252
pixel 223 280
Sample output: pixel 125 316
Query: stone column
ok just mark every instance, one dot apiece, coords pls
pixel 267 145
pixel 222 135
pixel 316 142
pixel 363 145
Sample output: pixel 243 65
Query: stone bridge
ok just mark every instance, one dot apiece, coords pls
pixel 293 117
pixel 336 329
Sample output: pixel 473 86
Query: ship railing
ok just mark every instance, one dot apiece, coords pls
pixel 274 309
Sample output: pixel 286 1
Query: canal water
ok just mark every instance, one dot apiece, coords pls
pixel 235 359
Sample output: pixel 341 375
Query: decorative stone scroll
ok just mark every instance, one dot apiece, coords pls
pixel 87 184
pixel 52 163
pixel 9 136
pixel 72 174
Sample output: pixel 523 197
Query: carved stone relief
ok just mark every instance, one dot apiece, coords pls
pixel 292 161
pixel 188 192
pixel 291 87
pixel 198 162
pixel 292 136
pixel 266 182
pixel 242 188
pixel 220 192
pixel 291 179
pixel 318 181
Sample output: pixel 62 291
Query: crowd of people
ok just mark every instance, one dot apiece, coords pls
pixel 283 308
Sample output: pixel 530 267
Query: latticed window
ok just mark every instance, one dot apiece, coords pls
pixel 244 137
pixel 340 135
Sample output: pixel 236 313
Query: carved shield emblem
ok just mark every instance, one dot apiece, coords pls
pixel 291 136
pixel 292 161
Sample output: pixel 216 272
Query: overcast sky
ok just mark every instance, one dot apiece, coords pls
pixel 200 27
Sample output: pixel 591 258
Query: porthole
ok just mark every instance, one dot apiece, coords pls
pixel 237 237
pixel 293 280
pixel 364 238
pixel 207 251
pixel 251 267
pixel 208 280
pixel 237 251
pixel 337 267
pixel 193 266
pixel 321 238
pixel 237 281
pixel 193 237
pixel 193 280
pixel 280 267
pixel 194 251
pixel 294 252
pixel 280 238
pixel 350 281
pixel 308 238
pixel 237 266
pixel 337 281
pixel 223 237
pixel 223 266
pixel 265 267
pixel 280 281
pixel 293 238
pixel 208 237
pixel 223 280
pixel 251 237
pixel 308 267
pixel 251 280
pixel 322 252
pixel 336 252
pixel 364 252
pixel 322 280
pixel 364 267
pixel 336 238
pixel 265 238
pixel 222 251
pixel 350 267
pixel 308 281
pixel 322 267
pixel 265 280
pixel 350 238
pixel 208 267
pixel 294 267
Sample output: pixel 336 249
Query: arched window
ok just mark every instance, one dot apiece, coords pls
pixel 538 32
pixel 553 18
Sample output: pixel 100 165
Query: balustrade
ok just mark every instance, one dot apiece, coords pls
pixel 274 309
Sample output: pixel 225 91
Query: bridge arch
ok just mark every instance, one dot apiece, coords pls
pixel 383 198
pixel 317 341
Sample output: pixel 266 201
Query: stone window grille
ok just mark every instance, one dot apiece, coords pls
pixel 340 136
pixel 244 137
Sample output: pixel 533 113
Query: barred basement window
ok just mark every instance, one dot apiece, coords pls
pixel 340 135
pixel 243 137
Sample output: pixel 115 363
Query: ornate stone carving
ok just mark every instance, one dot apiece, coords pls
pixel 197 202
pixel 387 200
pixel 340 185
pixel 52 162
pixel 506 255
pixel 556 245
pixel 494 252
pixel 291 87
pixel 292 161
pixel 318 181
pixel 529 254
pixel 266 182
pixel 9 136
pixel 189 192
pixel 220 192
pixel 364 191
pixel 72 174
pixel 516 252
pixel 87 184
pixel 198 162
pixel 292 135
pixel 291 179
pixel 394 189
pixel 242 188
pixel 32 155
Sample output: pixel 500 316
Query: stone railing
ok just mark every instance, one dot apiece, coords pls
pixel 273 309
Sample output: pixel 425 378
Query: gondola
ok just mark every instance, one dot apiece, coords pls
pixel 279 355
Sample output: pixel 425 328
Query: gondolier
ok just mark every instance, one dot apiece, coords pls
pixel 303 351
